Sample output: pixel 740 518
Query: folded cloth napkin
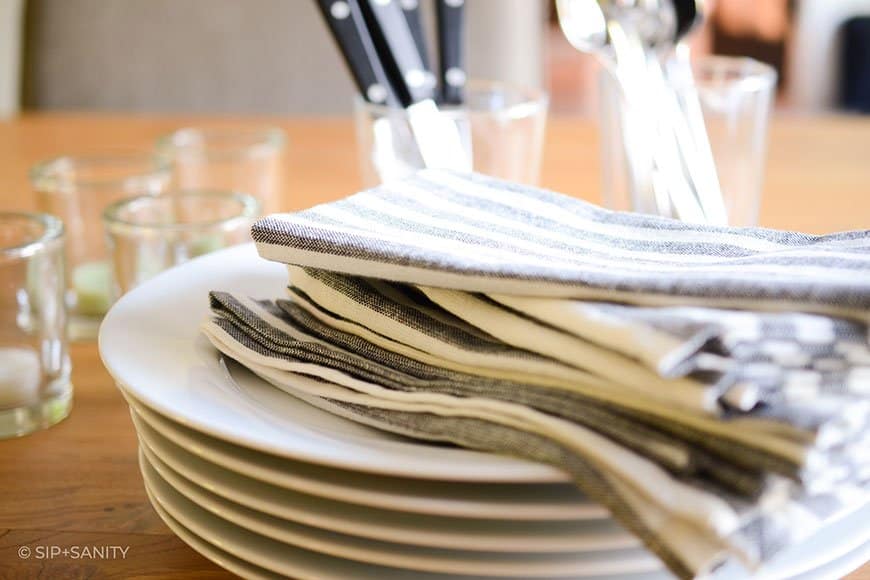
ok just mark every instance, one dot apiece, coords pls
pixel 480 234
pixel 690 504
pixel 463 309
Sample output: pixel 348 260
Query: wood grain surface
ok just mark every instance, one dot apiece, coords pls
pixel 78 483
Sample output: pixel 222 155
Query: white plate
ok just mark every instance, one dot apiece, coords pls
pixel 223 559
pixel 371 552
pixel 502 501
pixel 840 567
pixel 449 561
pixel 835 569
pixel 379 524
pixel 150 342
pixel 233 547
pixel 821 550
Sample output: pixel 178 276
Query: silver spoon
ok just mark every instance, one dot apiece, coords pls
pixel 631 38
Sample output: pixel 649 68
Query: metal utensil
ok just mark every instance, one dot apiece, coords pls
pixel 393 144
pixel 666 146
pixel 350 32
pixel 379 50
pixel 437 137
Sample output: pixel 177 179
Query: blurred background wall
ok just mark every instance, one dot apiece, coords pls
pixel 245 56
pixel 275 56
pixel 11 31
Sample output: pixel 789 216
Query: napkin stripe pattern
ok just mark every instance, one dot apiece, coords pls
pixel 374 233
pixel 761 531
pixel 569 357
pixel 646 428
pixel 359 299
pixel 462 428
pixel 707 384
pixel 364 360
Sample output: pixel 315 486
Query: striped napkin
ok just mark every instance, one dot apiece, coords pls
pixel 509 319
pixel 475 233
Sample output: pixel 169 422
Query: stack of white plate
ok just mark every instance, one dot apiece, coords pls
pixel 268 486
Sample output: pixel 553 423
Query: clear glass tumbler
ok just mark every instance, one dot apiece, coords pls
pixel 735 96
pixel 35 387
pixel 148 234
pixel 244 159
pixel 502 124
pixel 77 190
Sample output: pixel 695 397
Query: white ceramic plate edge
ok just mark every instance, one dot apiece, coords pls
pixel 372 525
pixel 413 559
pixel 219 557
pixel 171 326
pixel 408 502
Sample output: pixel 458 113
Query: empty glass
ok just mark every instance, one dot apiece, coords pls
pixel 77 190
pixel 735 95
pixel 502 124
pixel 243 159
pixel 35 388
pixel 148 234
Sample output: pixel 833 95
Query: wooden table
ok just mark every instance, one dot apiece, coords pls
pixel 78 483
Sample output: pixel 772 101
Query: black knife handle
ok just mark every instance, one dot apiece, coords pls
pixel 348 27
pixel 450 17
pixel 687 17
pixel 397 50
pixel 411 9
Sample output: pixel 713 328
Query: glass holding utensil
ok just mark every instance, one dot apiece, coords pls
pixel 502 127
pixel 680 139
pixel 735 96
pixel 410 115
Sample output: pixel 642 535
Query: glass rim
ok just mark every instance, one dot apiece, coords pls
pixel 750 74
pixel 532 100
pixel 262 137
pixel 250 208
pixel 52 231
pixel 48 168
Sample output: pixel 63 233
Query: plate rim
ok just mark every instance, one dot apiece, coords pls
pixel 375 499
pixel 225 510
pixel 643 563
pixel 505 469
pixel 845 563
pixel 215 487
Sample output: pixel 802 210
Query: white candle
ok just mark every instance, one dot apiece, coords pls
pixel 92 282
pixel 19 377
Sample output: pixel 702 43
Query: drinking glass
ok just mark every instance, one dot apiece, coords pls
pixel 243 159
pixel 148 234
pixel 502 124
pixel 735 96
pixel 35 388
pixel 77 190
